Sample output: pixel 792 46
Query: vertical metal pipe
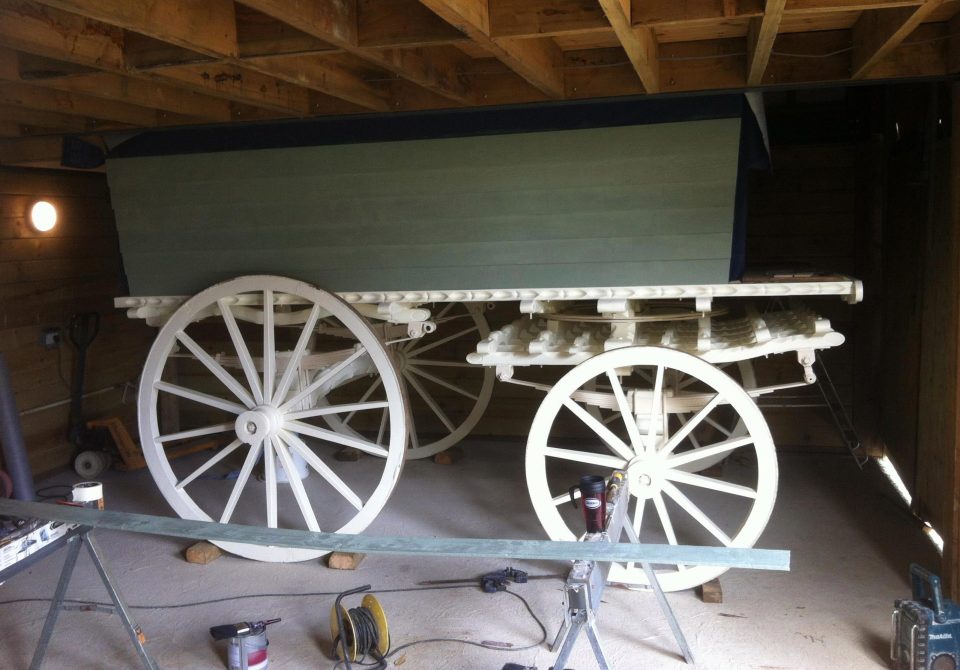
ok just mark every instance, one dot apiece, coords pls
pixel 11 437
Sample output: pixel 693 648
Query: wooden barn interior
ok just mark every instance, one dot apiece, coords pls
pixel 858 104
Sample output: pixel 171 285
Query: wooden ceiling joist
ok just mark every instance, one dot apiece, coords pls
pixel 34 97
pixel 207 27
pixel 878 32
pixel 144 93
pixel 760 38
pixel 223 80
pixel 335 22
pixel 40 30
pixel 316 73
pixel 537 60
pixel 64 123
pixel 639 42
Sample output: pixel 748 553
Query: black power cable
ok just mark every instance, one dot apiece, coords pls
pixel 496 646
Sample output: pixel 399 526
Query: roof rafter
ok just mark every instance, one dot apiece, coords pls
pixel 34 97
pixel 639 42
pixel 173 22
pixel 438 69
pixel 207 27
pixel 538 60
pixel 760 38
pixel 878 32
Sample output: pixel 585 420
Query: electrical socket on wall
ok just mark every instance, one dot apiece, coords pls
pixel 50 337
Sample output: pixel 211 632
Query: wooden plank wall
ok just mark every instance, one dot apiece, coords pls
pixel 632 205
pixel 803 213
pixel 44 279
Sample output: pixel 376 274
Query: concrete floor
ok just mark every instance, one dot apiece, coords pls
pixel 850 535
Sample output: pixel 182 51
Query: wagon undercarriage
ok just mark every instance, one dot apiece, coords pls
pixel 282 375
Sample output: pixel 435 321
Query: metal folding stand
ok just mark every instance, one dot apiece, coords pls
pixel 587 580
pixel 73 540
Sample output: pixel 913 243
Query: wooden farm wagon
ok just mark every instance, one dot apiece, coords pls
pixel 630 232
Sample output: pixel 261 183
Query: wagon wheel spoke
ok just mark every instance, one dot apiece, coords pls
pixel 323 378
pixel 710 483
pixel 366 395
pixel 629 420
pixel 615 444
pixel 293 364
pixel 216 369
pixel 586 457
pixel 243 353
pixel 431 403
pixel 687 428
pixel 719 448
pixel 269 349
pixel 439 343
pixel 196 432
pixel 330 436
pixel 219 456
pixel 197 396
pixel 322 469
pixel 690 508
pixel 299 493
pixel 632 526
pixel 426 362
pixel 351 408
pixel 270 477
pixel 440 382
pixel 252 456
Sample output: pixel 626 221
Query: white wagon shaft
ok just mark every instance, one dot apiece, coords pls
pixel 291 368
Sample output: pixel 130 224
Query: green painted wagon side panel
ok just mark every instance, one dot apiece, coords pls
pixel 624 206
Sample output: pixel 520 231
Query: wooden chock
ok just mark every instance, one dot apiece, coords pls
pixel 344 560
pixel 711 592
pixel 348 454
pixel 448 456
pixel 203 553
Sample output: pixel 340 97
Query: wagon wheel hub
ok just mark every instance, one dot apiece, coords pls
pixel 645 476
pixel 258 424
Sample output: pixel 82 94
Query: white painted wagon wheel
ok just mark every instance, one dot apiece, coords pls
pixel 726 422
pixel 669 503
pixel 437 377
pixel 240 380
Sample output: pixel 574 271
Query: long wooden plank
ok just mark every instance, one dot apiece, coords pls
pixel 757 559
pixel 640 43
pixel 760 39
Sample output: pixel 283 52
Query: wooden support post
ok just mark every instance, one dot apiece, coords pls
pixel 951 393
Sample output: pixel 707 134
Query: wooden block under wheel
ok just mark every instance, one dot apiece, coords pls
pixel 203 553
pixel 448 456
pixel 711 592
pixel 344 560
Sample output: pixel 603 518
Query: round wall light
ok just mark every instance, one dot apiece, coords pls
pixel 43 216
